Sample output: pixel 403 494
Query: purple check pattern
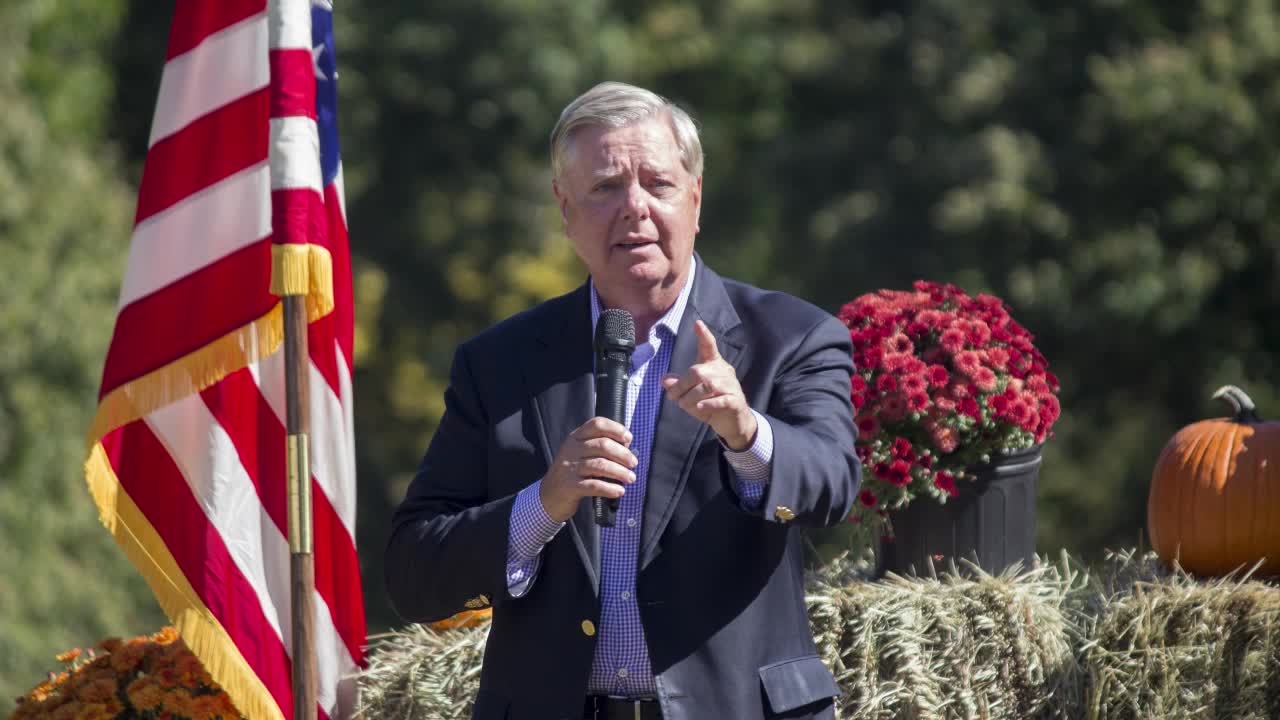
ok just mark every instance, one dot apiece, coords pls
pixel 621 665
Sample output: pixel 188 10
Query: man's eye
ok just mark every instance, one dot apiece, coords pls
pixel 606 185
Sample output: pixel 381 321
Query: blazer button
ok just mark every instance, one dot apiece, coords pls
pixel 784 513
pixel 588 628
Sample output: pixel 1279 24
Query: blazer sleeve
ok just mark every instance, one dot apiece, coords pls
pixel 815 471
pixel 448 541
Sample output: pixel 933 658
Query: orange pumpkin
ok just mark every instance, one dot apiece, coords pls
pixel 1215 493
pixel 464 619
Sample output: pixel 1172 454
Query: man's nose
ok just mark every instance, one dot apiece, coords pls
pixel 635 206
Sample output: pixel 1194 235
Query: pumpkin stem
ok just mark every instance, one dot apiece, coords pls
pixel 1242 408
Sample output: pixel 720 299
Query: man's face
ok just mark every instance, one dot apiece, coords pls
pixel 629 206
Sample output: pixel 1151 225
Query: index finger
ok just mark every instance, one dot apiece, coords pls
pixel 707 350
pixel 598 427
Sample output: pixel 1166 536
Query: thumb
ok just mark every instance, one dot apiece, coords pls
pixel 707 350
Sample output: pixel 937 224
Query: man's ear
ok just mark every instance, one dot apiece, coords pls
pixel 697 203
pixel 562 199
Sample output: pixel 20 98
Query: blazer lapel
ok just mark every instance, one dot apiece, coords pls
pixel 677 433
pixel 559 373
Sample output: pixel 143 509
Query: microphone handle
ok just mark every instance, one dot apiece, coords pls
pixel 612 373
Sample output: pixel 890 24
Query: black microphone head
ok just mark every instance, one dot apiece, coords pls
pixel 615 331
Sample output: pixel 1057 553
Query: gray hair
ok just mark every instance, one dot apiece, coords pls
pixel 615 105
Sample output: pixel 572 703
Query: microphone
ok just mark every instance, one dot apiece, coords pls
pixel 614 342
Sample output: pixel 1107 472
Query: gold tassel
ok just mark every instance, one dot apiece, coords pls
pixel 199 628
pixel 304 270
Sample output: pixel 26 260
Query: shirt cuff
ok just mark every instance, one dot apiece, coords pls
pixel 530 530
pixel 531 527
pixel 753 464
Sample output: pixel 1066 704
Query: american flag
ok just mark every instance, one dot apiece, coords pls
pixel 187 449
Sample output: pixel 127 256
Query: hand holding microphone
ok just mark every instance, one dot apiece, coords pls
pixel 594 461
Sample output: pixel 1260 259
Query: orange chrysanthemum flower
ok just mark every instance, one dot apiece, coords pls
pixel 145 694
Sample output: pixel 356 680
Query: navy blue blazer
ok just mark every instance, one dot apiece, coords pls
pixel 720 588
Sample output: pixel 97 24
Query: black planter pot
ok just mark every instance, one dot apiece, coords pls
pixel 993 519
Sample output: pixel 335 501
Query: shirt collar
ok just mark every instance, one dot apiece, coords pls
pixel 670 319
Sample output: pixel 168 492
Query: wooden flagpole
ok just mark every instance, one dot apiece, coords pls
pixel 301 542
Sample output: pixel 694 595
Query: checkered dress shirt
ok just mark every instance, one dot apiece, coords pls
pixel 621 665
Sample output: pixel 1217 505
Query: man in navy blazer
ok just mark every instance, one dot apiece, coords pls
pixel 739 432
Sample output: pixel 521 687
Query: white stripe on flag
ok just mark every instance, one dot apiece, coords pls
pixel 290 24
pixel 295 153
pixel 225 66
pixel 202 228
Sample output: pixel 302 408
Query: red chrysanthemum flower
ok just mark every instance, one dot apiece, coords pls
pixel 984 379
pixel 945 482
pixel 917 402
pixel 952 340
pixel 867 498
pixel 896 362
pixel 937 375
pixel 898 344
pixel 968 362
pixel 914 384
pixel 886 383
pixel 977 333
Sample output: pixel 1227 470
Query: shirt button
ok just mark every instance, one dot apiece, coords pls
pixel 626 595
pixel 622 672
pixel 631 522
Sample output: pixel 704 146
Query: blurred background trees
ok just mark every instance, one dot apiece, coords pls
pixel 1111 169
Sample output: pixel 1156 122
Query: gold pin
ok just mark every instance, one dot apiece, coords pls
pixel 588 628
pixel 784 513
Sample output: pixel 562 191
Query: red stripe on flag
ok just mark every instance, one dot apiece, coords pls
pixel 297 217
pixel 343 298
pixel 211 148
pixel 156 484
pixel 188 314
pixel 293 81
pixel 340 323
pixel 195 20
pixel 259 438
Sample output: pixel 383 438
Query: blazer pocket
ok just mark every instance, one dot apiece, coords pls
pixel 797 682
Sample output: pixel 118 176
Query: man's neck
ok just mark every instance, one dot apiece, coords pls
pixel 646 306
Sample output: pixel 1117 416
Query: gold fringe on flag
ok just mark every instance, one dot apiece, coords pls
pixel 304 270
pixel 189 374
pixel 196 370
pixel 199 628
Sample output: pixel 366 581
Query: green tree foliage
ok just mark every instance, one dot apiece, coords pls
pixel 1108 168
pixel 64 227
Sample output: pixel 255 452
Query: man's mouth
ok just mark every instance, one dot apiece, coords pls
pixel 636 242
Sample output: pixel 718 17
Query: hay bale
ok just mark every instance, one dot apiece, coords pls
pixel 1172 646
pixel 422 674
pixel 951 645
